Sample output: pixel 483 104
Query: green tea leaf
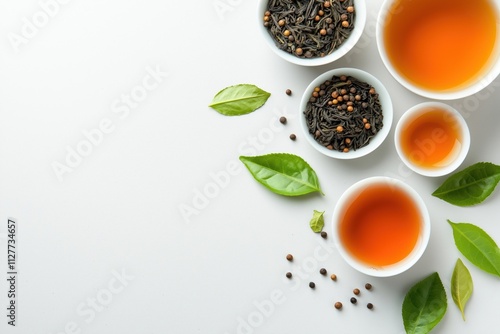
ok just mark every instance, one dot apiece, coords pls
pixel 424 305
pixel 239 100
pixel 470 186
pixel 282 173
pixel 317 221
pixel 477 246
pixel 461 286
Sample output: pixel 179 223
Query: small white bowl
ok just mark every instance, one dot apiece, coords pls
pixel 347 45
pixel 385 101
pixel 449 115
pixel 350 195
pixel 482 81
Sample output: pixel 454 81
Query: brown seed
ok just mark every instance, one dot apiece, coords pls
pixel 343 91
pixel 322 32
pixel 330 147
pixel 267 13
pixel 333 277
pixel 343 17
pixel 338 305
pixel 321 13
pixel 350 9
pixel 288 275
pixel 322 271
pixel 368 286
pixel 317 18
pixel 326 4
pixel 353 300
pixel 347 141
pixel 286 33
pixel 299 51
pixel 324 235
pixel 350 108
pixel 281 23
pixel 282 119
pixel 367 126
pixel 345 150
pixel 343 78
pixel 312 285
pixel 372 91
pixel 293 136
pixel 340 128
pixel 356 291
pixel 289 257
pixel 345 24
pixel 370 306
pixel 288 92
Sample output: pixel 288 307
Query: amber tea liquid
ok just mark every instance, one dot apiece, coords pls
pixel 432 139
pixel 441 45
pixel 381 226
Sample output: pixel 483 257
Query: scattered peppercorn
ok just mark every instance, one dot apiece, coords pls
pixel 324 234
pixel 353 300
pixel 289 257
pixel 312 285
pixel 288 92
pixel 368 286
pixel 289 275
pixel 370 306
pixel 282 119
pixel 293 136
pixel 333 277
pixel 338 305
pixel 322 271
pixel 356 291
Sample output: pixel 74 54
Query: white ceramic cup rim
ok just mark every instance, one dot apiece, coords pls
pixel 347 45
pixel 400 266
pixel 420 109
pixel 385 101
pixel 468 89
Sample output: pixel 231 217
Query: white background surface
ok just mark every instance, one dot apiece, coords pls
pixel 118 211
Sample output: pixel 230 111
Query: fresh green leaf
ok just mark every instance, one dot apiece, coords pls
pixel 470 186
pixel 461 286
pixel 239 100
pixel 477 246
pixel 424 305
pixel 317 221
pixel 282 173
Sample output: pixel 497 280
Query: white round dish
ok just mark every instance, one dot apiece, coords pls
pixel 351 195
pixel 482 81
pixel 450 114
pixel 385 101
pixel 346 46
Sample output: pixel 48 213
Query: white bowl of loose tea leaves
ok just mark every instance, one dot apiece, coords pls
pixel 311 32
pixel 346 113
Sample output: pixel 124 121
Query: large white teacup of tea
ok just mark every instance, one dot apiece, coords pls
pixel 445 50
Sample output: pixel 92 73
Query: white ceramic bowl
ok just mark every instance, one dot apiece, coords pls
pixel 385 101
pixel 468 89
pixel 351 195
pixel 449 115
pixel 347 45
